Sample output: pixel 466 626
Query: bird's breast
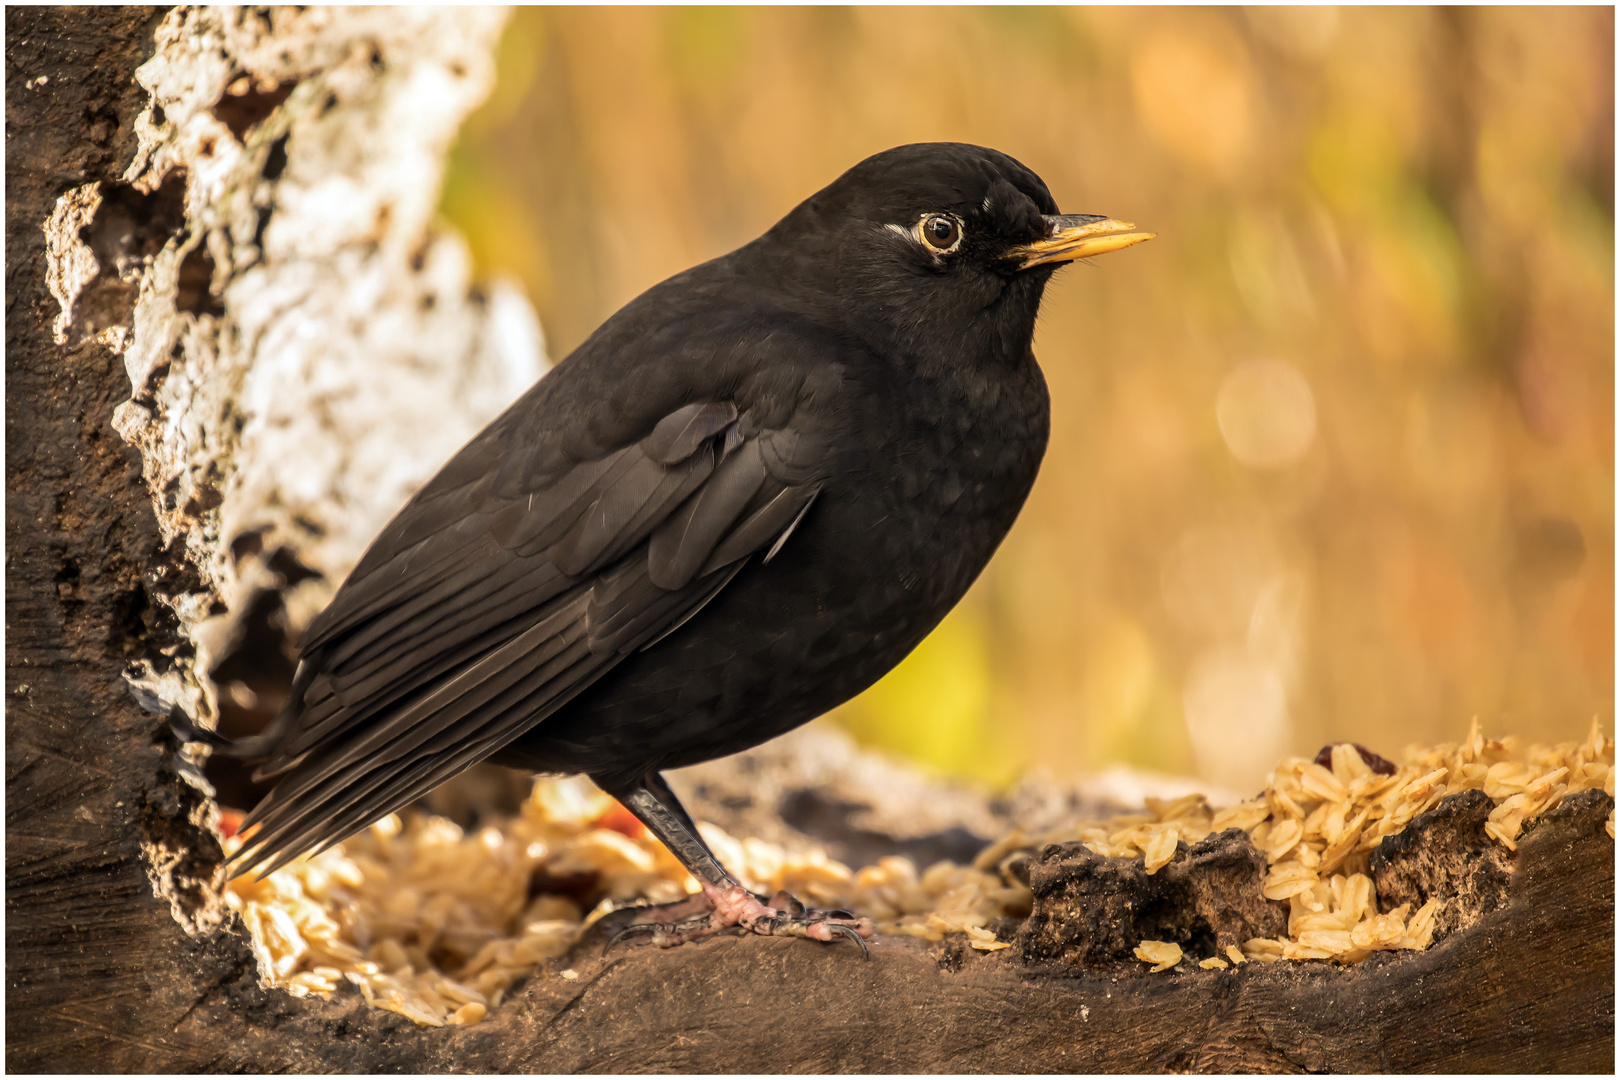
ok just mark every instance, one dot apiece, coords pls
pixel 949 463
pixel 932 480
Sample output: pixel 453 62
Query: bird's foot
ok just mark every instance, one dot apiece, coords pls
pixel 734 908
pixel 784 916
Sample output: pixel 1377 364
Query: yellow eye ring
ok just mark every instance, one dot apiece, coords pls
pixel 940 232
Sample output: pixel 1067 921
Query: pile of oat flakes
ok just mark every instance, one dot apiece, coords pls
pixel 437 924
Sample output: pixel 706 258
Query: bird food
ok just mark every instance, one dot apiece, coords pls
pixel 437 924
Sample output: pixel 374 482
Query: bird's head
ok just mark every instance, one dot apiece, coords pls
pixel 939 242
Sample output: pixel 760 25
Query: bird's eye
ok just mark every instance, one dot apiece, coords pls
pixel 940 232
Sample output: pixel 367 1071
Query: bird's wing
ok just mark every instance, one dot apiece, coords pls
pixel 517 577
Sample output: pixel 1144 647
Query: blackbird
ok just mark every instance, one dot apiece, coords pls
pixel 748 495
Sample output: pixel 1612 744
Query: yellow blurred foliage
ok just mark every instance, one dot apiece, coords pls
pixel 1331 459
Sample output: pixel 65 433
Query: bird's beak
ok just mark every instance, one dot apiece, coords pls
pixel 1077 236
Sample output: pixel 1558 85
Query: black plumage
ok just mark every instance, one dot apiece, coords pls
pixel 740 502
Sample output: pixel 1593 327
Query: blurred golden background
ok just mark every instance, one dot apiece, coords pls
pixel 1331 459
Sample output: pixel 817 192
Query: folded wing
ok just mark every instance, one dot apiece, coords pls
pixel 513 581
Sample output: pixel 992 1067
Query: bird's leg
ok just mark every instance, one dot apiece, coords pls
pixel 666 797
pixel 729 904
pixel 696 904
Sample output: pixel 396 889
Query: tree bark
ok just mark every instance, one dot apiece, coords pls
pixel 129 578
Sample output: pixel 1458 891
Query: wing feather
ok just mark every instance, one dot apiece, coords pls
pixel 767 526
pixel 681 545
pixel 402 582
pixel 619 518
pixel 678 435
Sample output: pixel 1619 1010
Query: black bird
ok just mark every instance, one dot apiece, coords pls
pixel 748 495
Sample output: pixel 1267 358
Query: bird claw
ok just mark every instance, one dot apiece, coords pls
pixel 853 935
pixel 815 925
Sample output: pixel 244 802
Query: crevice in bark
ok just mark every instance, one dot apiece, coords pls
pixel 248 103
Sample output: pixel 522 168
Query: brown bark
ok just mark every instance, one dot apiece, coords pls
pixel 84 765
pixel 102 976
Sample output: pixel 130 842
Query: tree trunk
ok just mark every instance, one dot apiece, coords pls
pixel 188 477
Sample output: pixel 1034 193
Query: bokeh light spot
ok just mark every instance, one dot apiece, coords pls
pixel 1237 716
pixel 1267 414
pixel 1276 625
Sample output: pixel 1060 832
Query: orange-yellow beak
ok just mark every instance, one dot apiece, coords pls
pixel 1078 236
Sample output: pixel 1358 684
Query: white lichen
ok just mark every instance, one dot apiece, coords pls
pixel 340 353
pixel 70 265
